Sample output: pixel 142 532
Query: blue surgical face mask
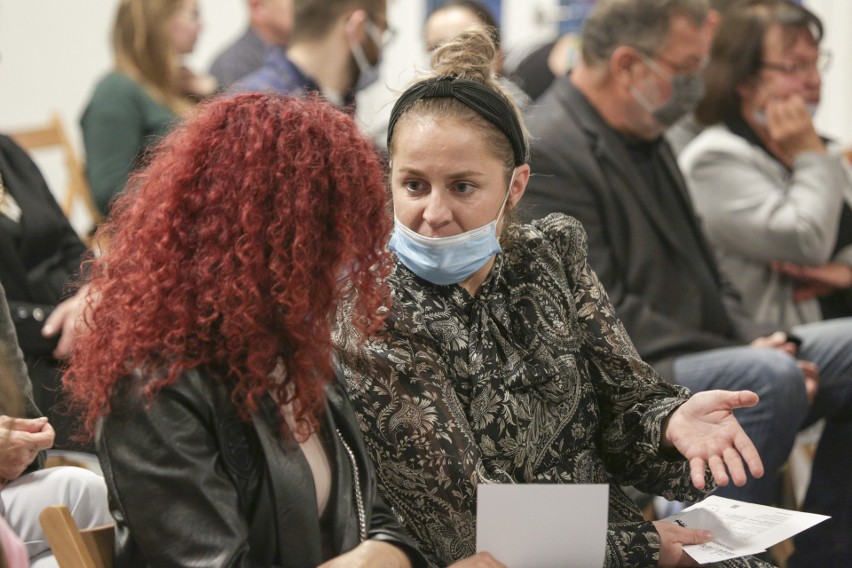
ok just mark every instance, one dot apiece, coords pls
pixel 447 260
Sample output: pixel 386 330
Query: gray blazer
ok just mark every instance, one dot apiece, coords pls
pixel 755 210
pixel 663 283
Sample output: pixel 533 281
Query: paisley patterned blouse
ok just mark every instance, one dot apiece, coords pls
pixel 533 380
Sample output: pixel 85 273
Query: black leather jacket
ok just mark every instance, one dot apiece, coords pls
pixel 191 484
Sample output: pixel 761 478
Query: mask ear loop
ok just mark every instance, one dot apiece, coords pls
pixel 506 198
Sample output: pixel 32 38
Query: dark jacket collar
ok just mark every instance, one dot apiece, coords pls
pixel 608 145
pixel 293 490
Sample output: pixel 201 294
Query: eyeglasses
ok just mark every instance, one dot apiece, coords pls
pixel 821 64
pixel 676 68
pixel 379 37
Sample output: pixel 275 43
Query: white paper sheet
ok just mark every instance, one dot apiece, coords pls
pixel 543 526
pixel 739 528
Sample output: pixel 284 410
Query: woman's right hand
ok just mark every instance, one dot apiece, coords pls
pixel 816 281
pixel 672 540
pixel 791 128
pixel 479 560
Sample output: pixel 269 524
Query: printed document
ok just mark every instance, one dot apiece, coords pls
pixel 740 528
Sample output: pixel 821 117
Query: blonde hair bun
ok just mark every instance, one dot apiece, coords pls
pixel 469 55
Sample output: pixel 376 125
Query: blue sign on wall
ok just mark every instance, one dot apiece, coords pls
pixel 572 14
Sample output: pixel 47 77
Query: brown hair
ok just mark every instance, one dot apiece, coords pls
pixel 144 50
pixel 313 19
pixel 737 53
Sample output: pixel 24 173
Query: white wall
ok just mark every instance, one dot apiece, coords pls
pixel 53 51
pixel 834 117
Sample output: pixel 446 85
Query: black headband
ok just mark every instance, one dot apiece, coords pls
pixel 484 101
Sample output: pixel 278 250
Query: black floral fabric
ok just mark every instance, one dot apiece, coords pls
pixel 532 380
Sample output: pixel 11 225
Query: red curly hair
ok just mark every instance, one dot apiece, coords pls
pixel 231 250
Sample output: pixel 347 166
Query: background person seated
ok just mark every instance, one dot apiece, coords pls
pixel 770 193
pixel 334 49
pixel 270 24
pixel 40 256
pixel 599 155
pixel 25 488
pixel 774 199
pixel 453 17
pixel 134 105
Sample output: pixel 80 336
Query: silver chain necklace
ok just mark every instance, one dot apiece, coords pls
pixel 359 498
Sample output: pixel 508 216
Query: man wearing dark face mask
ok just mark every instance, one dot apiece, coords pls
pixel 335 49
pixel 599 155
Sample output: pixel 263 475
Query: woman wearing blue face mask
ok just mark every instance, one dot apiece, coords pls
pixel 501 360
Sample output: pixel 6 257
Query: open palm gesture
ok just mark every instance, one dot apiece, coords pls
pixel 705 431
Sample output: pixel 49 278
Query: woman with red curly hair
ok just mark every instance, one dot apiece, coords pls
pixel 206 371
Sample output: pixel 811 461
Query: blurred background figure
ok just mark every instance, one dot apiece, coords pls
pixel 452 17
pixel 270 24
pixel 25 486
pixel 40 257
pixel 455 16
pixel 774 197
pixel 535 71
pixel 687 128
pixel 149 89
pixel 335 50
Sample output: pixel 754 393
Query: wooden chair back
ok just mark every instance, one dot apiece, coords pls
pixel 75 548
pixel 53 135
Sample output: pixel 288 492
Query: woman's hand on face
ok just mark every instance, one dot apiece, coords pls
pixel 479 560
pixel 672 540
pixel 371 554
pixel 705 431
pixel 791 127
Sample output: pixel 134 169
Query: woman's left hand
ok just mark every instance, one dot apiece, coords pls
pixel 705 431
pixel 63 320
pixel 371 553
pixel 816 281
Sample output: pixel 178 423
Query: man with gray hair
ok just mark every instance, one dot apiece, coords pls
pixel 599 155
